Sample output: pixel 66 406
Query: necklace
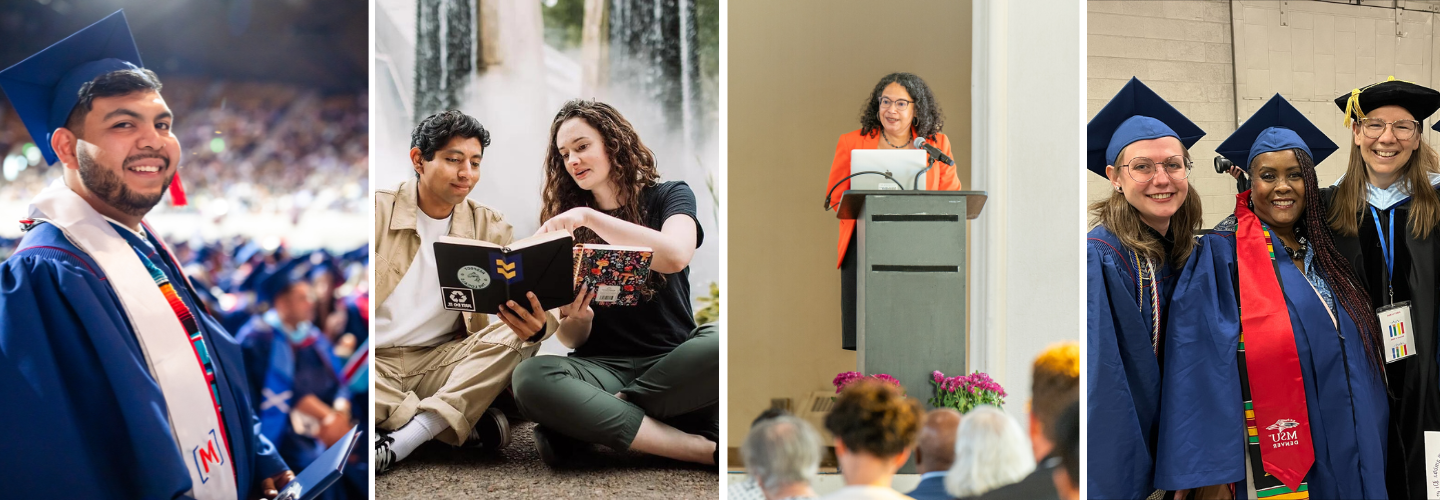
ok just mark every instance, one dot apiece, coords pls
pixel 887 139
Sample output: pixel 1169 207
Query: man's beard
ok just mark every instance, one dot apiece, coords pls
pixel 108 186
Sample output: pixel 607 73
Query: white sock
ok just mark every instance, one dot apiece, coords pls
pixel 424 427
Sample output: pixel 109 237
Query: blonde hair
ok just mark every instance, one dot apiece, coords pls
pixel 1123 220
pixel 1351 198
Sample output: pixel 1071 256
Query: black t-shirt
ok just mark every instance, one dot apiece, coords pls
pixel 657 325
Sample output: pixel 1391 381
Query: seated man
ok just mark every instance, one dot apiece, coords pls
pixel 116 380
pixel 935 453
pixel 874 425
pixel 782 455
pixel 293 371
pixel 437 371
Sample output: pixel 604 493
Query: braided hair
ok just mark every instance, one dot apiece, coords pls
pixel 1333 267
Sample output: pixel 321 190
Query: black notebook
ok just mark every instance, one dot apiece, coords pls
pixel 477 276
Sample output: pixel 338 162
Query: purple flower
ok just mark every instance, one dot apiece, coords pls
pixel 937 375
pixel 844 379
pixel 885 378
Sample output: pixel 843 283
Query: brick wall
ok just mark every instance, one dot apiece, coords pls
pixel 1308 51
pixel 1182 51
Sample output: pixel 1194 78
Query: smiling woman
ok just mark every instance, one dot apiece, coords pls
pixel 1303 373
pixel 900 109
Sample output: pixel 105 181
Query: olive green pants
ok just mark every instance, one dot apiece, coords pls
pixel 576 396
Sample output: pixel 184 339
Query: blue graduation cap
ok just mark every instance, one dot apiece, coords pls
pixel 45 87
pixel 278 281
pixel 1136 113
pixel 1276 126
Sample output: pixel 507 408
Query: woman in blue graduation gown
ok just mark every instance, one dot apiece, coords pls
pixel 1230 401
pixel 1141 234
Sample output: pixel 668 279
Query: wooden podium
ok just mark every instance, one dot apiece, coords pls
pixel 910 292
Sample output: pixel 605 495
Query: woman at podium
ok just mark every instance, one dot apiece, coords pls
pixel 899 110
pixel 1273 350
pixel 1142 234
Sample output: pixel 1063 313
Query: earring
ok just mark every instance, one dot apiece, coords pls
pixel 1117 189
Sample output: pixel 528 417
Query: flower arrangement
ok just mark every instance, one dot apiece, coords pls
pixel 965 392
pixel 848 378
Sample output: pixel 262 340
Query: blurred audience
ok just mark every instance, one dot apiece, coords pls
pixel 1054 386
pixel 749 489
pixel 990 452
pixel 935 453
pixel 1067 450
pixel 782 455
pixel 249 148
pixel 875 425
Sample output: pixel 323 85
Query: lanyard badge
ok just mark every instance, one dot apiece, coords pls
pixel 1394 318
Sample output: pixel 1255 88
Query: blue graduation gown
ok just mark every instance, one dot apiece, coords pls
pixel 1203 433
pixel 83 417
pixel 312 370
pixel 1123 388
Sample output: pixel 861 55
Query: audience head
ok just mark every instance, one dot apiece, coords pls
pixel 782 451
pixel 1054 384
pixel 936 448
pixel 990 452
pixel 1067 449
pixel 875 419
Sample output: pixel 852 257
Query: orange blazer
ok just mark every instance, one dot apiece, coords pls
pixel 941 177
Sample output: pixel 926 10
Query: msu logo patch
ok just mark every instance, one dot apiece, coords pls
pixel 1282 424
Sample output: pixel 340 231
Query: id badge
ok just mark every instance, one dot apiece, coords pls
pixel 1432 465
pixel 1396 327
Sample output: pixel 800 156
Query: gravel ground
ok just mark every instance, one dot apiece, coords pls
pixel 437 470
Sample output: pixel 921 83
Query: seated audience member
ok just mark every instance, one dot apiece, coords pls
pixel 935 453
pixel 749 489
pixel 1067 450
pixel 874 425
pixel 782 454
pixel 990 452
pixel 1054 385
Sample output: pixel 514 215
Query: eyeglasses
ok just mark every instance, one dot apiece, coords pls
pixel 1375 127
pixel 1144 169
pixel 900 105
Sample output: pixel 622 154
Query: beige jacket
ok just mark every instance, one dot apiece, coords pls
pixel 397 242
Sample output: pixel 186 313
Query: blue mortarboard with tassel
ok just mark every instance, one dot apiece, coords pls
pixel 1136 113
pixel 1276 126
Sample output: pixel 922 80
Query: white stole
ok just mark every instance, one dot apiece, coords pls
pixel 194 421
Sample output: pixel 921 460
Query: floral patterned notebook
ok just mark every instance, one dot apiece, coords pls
pixel 616 273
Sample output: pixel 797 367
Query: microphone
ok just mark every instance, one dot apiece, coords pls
pixel 934 152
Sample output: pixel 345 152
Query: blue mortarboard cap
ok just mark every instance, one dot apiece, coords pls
pixel 1276 126
pixel 275 282
pixel 1136 113
pixel 45 87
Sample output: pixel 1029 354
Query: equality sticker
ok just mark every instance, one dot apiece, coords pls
pixel 473 277
pixel 458 299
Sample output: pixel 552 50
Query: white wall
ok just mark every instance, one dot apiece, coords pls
pixel 1025 270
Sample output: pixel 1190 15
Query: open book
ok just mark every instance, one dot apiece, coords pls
pixel 478 276
pixel 615 273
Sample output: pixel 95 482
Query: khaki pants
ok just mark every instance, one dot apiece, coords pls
pixel 458 379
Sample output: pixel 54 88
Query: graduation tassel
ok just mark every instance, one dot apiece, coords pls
pixel 177 191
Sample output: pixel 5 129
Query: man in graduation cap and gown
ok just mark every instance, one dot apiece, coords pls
pixel 1128 291
pixel 117 383
pixel 293 371
pixel 1284 398
pixel 1388 213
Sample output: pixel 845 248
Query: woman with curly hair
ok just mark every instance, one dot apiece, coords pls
pixel 899 109
pixel 1141 235
pixel 875 426
pixel 1272 331
pixel 641 377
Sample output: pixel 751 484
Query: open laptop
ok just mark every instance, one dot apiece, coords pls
pixel 902 164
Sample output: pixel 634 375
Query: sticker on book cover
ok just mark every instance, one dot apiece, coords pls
pixel 607 294
pixel 511 269
pixel 458 299
pixel 473 277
